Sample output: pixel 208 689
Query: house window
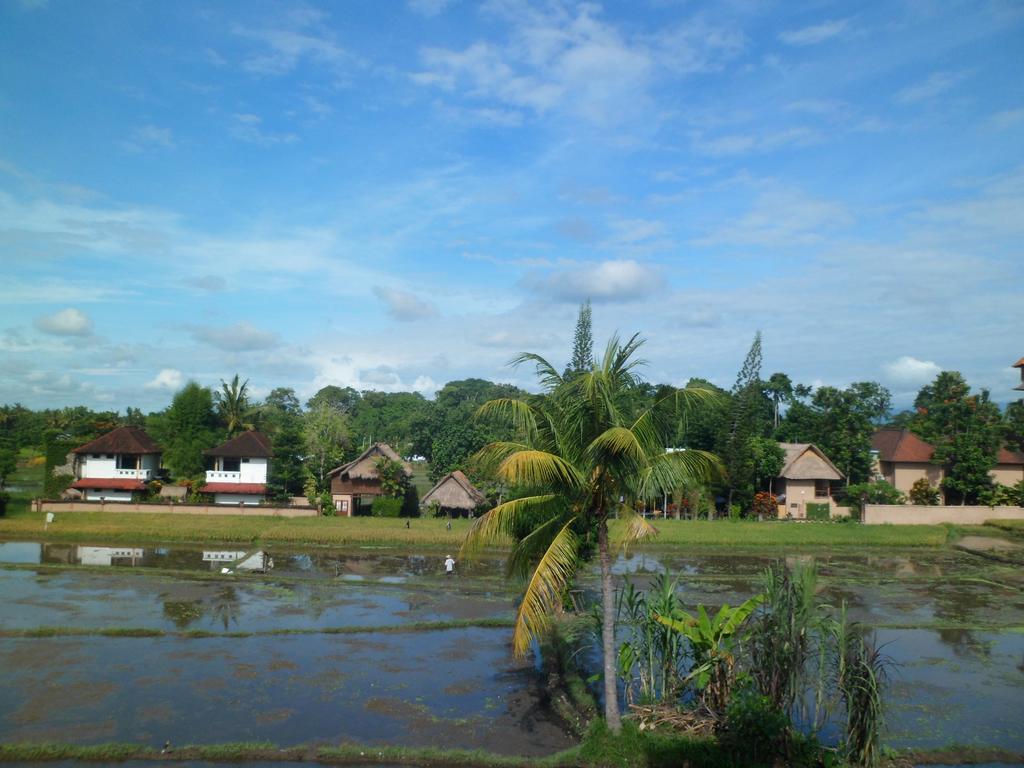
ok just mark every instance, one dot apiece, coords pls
pixel 127 461
pixel 341 505
pixel 245 461
pixel 231 465
pixel 821 488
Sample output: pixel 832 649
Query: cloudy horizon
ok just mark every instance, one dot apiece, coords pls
pixel 393 197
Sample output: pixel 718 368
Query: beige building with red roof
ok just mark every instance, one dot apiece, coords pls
pixel 1020 364
pixel 904 458
pixel 239 471
pixel 116 465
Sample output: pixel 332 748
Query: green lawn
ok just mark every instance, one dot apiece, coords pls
pixel 25 484
pixel 428 532
pixel 1013 526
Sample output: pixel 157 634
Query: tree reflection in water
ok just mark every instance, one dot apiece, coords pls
pixel 225 607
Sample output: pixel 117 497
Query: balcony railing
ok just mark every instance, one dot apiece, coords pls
pixel 217 476
pixel 134 474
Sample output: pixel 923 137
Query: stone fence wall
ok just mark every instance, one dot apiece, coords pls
pixel 173 509
pixel 906 514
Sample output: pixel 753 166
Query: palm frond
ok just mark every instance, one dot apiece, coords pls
pixel 632 528
pixel 536 469
pixel 517 413
pixel 543 595
pixel 549 376
pixel 489 458
pixel 496 526
pixel 667 471
pixel 620 445
pixel 528 550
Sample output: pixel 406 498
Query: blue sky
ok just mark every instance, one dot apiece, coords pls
pixel 394 195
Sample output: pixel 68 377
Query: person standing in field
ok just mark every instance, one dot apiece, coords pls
pixel 449 565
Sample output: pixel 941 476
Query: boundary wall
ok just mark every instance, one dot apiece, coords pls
pixel 131 507
pixel 909 514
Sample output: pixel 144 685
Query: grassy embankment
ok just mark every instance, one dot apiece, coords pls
pixel 631 750
pixel 111 527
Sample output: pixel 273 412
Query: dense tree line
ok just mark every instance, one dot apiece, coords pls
pixel 742 426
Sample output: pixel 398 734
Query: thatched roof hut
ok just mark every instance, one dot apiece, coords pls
pixel 364 467
pixel 454 491
pixel 805 461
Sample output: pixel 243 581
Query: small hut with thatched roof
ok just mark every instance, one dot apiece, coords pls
pixel 455 495
pixel 806 478
pixel 355 485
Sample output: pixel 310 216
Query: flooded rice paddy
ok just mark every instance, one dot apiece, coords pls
pixel 378 647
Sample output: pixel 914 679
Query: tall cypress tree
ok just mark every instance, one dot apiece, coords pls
pixel 742 422
pixel 582 342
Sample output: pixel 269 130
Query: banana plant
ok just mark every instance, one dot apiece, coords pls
pixel 712 640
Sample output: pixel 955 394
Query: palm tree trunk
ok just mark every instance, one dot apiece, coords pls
pixel 611 690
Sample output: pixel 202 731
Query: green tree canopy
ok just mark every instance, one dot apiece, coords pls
pixel 185 429
pixel 966 430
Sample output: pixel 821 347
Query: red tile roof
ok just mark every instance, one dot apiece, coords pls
pixel 1018 364
pixel 121 440
pixel 253 488
pixel 108 484
pixel 1009 457
pixel 901 445
pixel 251 444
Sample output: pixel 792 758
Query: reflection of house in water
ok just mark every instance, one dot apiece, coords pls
pixel 257 562
pixel 109 555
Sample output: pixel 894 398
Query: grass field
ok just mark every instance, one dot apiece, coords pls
pixel 430 532
pixel 1011 526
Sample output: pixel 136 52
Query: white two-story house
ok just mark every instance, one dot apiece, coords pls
pixel 117 465
pixel 238 474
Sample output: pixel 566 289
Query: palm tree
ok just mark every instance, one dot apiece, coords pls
pixel 233 404
pixel 582 453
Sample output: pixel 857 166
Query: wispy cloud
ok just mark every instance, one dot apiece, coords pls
pixel 66 322
pixel 248 127
pixel 1007 118
pixel 240 337
pixel 297 36
pixel 170 379
pixel 935 85
pixel 910 370
pixel 428 8
pixel 554 60
pixel 782 215
pixel 403 305
pixel 618 280
pixel 816 33
pixel 150 137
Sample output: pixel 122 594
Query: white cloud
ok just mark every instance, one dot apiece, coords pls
pixel 782 216
pixel 208 283
pixel 247 127
pixel 910 370
pixel 554 59
pixel 606 281
pixel 936 84
pixel 296 37
pixel 428 7
pixel 169 378
pixel 66 322
pixel 150 136
pixel 1007 118
pixel 817 33
pixel 240 337
pixel 403 305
